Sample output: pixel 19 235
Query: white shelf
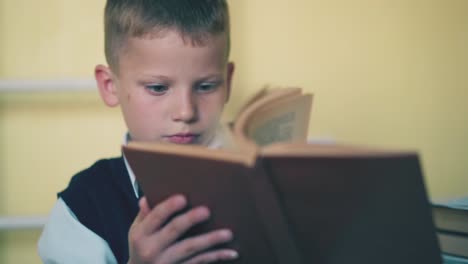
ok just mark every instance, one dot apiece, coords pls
pixel 21 223
pixel 47 85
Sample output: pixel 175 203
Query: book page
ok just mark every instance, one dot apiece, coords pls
pixel 252 99
pixel 283 121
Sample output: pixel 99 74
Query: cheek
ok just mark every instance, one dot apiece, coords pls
pixel 143 113
pixel 212 107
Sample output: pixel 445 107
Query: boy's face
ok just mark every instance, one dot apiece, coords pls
pixel 169 90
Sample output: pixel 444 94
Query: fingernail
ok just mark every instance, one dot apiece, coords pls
pixel 203 212
pixel 179 200
pixel 232 254
pixel 226 234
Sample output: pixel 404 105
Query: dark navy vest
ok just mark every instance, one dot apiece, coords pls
pixel 103 200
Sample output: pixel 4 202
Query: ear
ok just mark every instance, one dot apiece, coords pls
pixel 106 85
pixel 230 74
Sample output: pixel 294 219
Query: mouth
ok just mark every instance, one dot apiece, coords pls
pixel 183 138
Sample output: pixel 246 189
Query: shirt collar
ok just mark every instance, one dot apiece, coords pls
pixel 129 169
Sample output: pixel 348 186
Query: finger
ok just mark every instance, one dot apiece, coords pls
pixel 159 214
pixel 191 246
pixel 144 206
pixel 144 210
pixel 214 256
pixel 137 247
pixel 179 225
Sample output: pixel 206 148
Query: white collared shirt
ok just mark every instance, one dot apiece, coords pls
pixel 65 240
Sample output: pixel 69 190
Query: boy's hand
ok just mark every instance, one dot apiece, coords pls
pixel 151 242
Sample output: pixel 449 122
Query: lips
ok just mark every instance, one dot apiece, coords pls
pixel 182 138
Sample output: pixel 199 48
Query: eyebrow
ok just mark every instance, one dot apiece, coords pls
pixel 168 79
pixel 149 76
pixel 212 76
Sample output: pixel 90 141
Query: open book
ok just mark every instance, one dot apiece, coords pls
pixel 290 202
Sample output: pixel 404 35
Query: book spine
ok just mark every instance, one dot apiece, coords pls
pixel 272 217
pixel 450 219
pixel 453 244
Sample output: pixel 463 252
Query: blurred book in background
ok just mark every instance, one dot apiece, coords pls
pixel 451 221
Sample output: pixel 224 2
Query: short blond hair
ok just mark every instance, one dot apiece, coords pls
pixel 196 20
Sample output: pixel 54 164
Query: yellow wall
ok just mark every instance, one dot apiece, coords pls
pixel 389 73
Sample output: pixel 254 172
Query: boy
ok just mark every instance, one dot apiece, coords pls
pixel 169 73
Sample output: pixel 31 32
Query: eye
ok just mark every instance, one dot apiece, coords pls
pixel 157 89
pixel 207 87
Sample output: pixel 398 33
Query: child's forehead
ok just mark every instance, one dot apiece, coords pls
pixel 172 52
pixel 193 39
pixel 163 39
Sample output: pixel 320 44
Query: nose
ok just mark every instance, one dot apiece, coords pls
pixel 185 108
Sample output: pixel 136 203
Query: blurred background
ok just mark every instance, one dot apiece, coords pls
pixel 389 73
